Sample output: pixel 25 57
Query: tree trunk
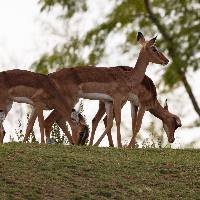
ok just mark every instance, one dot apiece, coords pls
pixel 190 93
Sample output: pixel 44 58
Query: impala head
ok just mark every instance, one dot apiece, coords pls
pixel 80 127
pixel 171 124
pixel 82 130
pixel 74 116
pixel 151 53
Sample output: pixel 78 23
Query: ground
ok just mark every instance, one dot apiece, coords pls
pixel 33 171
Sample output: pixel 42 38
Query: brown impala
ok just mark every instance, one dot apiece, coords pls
pixel 170 121
pixel 32 88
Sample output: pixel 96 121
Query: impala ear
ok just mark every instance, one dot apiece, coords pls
pixel 74 116
pixel 152 41
pixel 166 105
pixel 140 38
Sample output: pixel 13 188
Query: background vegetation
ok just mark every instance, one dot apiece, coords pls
pixel 176 21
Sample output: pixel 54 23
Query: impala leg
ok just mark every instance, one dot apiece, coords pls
pixel 117 111
pixel 36 98
pixel 74 128
pixel 5 107
pixel 139 121
pixel 105 118
pixel 41 122
pixel 109 112
pixel 30 125
pixel 96 120
pixel 134 110
pixel 63 126
pixel 138 125
pixel 49 121
pixel 73 125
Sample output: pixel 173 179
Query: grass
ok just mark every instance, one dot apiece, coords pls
pixel 32 171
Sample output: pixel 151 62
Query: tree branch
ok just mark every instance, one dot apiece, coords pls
pixel 155 20
pixel 173 53
pixel 190 93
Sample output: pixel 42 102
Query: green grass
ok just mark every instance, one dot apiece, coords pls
pixel 56 172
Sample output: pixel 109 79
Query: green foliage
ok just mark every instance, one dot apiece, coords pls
pixel 62 56
pixel 56 135
pixel 177 21
pixel 70 6
pixel 31 171
pixel 156 137
pixel 19 132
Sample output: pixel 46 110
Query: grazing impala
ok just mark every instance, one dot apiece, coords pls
pixel 28 87
pixel 170 121
pixel 109 84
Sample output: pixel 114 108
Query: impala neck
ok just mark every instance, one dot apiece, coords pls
pixel 159 112
pixel 140 67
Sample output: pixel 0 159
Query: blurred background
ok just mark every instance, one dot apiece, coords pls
pixel 46 35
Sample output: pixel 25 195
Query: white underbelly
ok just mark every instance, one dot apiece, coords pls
pixel 100 96
pixel 94 96
pixel 28 101
pixel 23 100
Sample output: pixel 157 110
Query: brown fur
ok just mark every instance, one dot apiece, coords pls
pixel 82 130
pixel 146 82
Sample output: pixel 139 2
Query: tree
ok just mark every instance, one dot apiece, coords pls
pixel 177 22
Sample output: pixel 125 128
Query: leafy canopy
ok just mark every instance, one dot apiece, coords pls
pixel 176 21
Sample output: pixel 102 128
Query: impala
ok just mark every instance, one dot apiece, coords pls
pixel 32 88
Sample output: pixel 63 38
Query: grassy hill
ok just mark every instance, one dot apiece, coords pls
pixel 56 172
